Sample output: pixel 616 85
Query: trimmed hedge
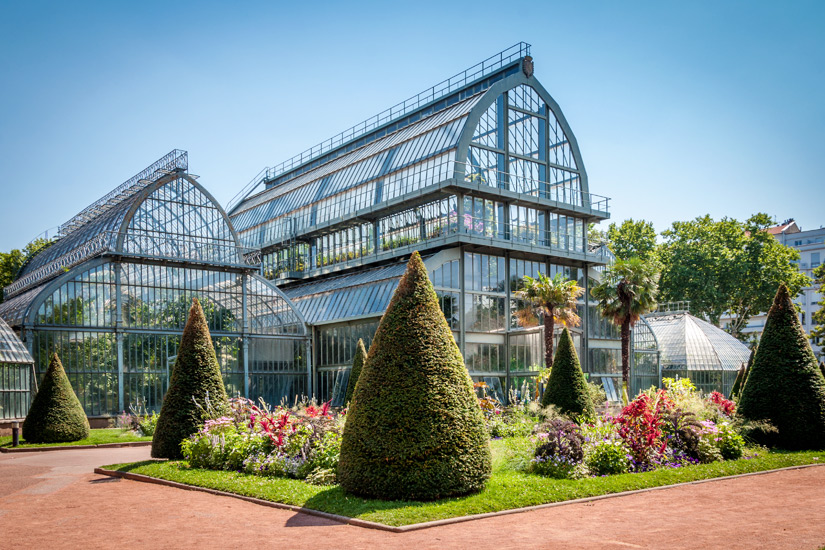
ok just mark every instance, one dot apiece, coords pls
pixel 785 386
pixel 414 429
pixel 567 386
pixel 196 373
pixel 357 365
pixel 56 414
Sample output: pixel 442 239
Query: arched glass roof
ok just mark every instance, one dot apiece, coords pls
pixel 313 197
pixel 170 216
pixel 686 342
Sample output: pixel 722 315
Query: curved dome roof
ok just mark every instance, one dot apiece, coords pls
pixel 686 342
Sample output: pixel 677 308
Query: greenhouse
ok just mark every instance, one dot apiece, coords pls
pixel 110 296
pixel 689 347
pixel 482 174
pixel 17 377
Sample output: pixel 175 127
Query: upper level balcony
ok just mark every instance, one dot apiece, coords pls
pixel 372 202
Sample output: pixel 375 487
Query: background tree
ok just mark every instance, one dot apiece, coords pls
pixel 785 386
pixel 554 298
pixel 632 239
pixel 818 316
pixel 195 374
pixel 726 266
pixel 626 292
pixel 11 262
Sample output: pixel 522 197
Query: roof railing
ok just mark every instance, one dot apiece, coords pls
pixel 443 88
pixel 172 161
pixel 669 308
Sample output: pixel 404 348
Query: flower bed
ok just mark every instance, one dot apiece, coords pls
pixel 302 442
pixel 669 428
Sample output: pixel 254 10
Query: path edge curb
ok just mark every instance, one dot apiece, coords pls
pixel 428 524
pixel 73 447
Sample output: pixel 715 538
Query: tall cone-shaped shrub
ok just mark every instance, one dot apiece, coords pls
pixel 785 386
pixel 56 414
pixel 737 384
pixel 196 373
pixel 357 365
pixel 414 429
pixel 751 357
pixel 567 386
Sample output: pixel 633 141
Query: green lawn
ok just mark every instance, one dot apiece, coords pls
pixel 507 489
pixel 96 437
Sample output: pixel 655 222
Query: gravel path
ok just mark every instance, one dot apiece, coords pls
pixel 51 500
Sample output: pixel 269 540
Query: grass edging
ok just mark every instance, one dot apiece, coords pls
pixel 73 447
pixel 429 524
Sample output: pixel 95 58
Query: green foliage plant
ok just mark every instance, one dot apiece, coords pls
pixel 785 386
pixel 13 261
pixel 627 291
pixel 632 239
pixel 818 316
pixel 726 266
pixel 567 387
pixel 357 365
pixel 414 429
pixel 196 376
pixel 55 415
pixel 553 298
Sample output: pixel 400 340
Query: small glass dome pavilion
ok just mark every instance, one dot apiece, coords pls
pixel 111 296
pixel 16 375
pixel 692 348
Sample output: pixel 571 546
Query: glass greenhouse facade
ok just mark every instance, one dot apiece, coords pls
pixel 481 174
pixel 112 292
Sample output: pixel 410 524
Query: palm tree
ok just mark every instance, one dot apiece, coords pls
pixel 556 298
pixel 626 292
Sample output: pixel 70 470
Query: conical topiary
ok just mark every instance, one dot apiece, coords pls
pixel 56 414
pixel 357 365
pixel 748 369
pixel 196 373
pixel 414 429
pixel 785 386
pixel 567 386
pixel 737 384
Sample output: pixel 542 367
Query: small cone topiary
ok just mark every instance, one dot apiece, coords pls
pixel 785 386
pixel 357 365
pixel 748 368
pixel 414 429
pixel 567 386
pixel 737 384
pixel 56 414
pixel 196 373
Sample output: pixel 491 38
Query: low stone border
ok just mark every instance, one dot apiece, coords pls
pixel 71 447
pixel 428 524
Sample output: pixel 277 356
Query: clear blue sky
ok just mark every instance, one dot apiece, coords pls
pixel 680 109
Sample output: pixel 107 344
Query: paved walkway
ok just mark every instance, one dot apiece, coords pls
pixel 51 500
